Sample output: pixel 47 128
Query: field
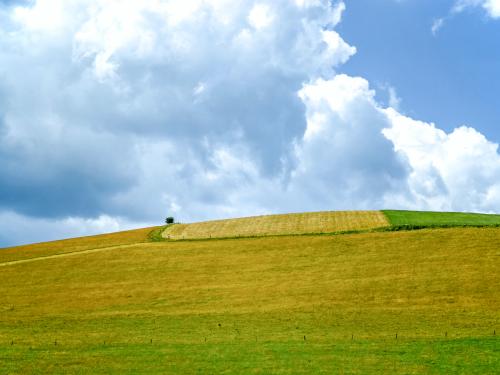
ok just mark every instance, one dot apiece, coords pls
pixel 300 223
pixel 407 302
pixel 75 245
pixel 440 219
pixel 327 222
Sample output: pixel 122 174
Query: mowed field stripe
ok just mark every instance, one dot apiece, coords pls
pixel 64 255
pixel 285 224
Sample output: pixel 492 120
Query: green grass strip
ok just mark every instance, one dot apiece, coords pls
pixel 156 234
pixel 407 220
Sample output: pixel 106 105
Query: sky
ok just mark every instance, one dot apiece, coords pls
pixel 115 113
pixel 447 77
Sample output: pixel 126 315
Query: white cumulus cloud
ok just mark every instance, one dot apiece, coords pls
pixel 344 160
pixel 117 113
pixel 492 7
pixel 456 171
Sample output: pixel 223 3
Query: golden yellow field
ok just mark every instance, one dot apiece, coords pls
pixel 74 244
pixel 299 223
pixel 408 302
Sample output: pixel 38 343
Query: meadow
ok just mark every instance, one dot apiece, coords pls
pixel 407 302
pixel 430 219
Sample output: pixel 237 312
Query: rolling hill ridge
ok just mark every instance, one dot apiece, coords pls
pixel 290 299
pixel 327 222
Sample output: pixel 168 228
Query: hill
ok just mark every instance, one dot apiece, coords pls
pixel 374 302
pixel 75 245
pixel 327 222
pixel 268 225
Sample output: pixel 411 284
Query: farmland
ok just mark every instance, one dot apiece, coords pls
pixel 75 245
pixel 286 224
pixel 440 219
pixel 327 222
pixel 404 302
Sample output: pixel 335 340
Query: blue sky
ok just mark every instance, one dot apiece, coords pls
pixel 450 78
pixel 115 114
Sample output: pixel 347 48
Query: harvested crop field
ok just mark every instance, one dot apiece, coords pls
pixel 298 223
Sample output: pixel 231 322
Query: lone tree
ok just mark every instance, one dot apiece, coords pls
pixel 169 220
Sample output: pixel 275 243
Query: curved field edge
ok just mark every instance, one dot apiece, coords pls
pixel 76 244
pixel 320 223
pixel 325 222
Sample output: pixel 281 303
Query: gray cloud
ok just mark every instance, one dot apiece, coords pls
pixel 115 114
pixel 92 88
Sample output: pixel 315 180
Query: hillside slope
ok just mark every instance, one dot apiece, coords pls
pixel 400 302
pixel 44 249
pixel 327 222
pixel 268 225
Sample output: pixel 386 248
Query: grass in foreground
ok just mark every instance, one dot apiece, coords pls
pixel 439 219
pixel 300 223
pixel 285 305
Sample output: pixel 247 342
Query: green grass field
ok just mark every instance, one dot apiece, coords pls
pixel 440 219
pixel 314 304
